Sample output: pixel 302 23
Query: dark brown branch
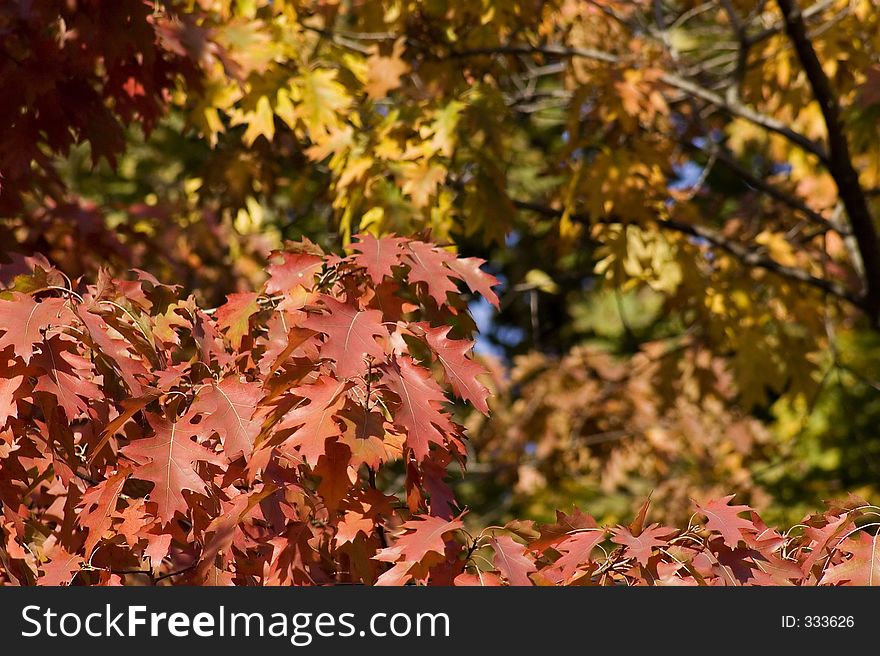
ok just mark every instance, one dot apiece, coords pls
pixel 745 255
pixel 740 110
pixel 807 13
pixel 774 192
pixel 168 575
pixel 690 88
pixel 840 164
pixel 742 52
pixel 526 49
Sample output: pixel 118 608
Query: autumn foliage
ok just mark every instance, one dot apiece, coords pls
pixel 248 248
pixel 241 443
pixel 146 439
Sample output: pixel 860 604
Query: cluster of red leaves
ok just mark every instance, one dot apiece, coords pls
pixel 78 75
pixel 143 438
pixel 300 435
pixel 724 544
pixel 81 71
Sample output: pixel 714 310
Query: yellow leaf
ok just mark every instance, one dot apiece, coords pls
pixel 355 168
pixel 538 279
pixel 779 249
pixel 259 122
pixel 284 108
pixel 422 180
pixel 336 142
pixel 443 128
pixel 371 221
pixel 384 73
pixel 320 97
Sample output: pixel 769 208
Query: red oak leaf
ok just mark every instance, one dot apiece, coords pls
pixel 67 376
pixel 167 459
pixel 395 576
pixel 377 256
pixel 477 280
pixel 434 473
pixel 512 560
pixel 335 473
pixel 293 269
pixel 420 397
pixel 460 370
pixel 60 568
pixel 235 314
pixel 636 526
pixel 640 546
pixel 428 264
pixel 22 319
pixel 388 300
pixel 365 435
pixel 725 519
pixel 422 537
pixel 99 505
pixel 863 567
pixel 134 520
pixel 8 405
pixel 281 343
pixel 478 580
pixel 129 407
pixel 116 350
pixel 157 546
pixel 223 527
pixel 774 570
pixel 228 409
pixel 565 526
pixel 315 421
pixel 576 550
pixel 821 537
pixel 351 525
pixel 667 575
pixel 351 335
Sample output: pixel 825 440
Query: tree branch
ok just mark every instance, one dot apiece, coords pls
pixel 774 192
pixel 730 106
pixel 840 164
pixel 745 255
pixel 807 13
pixel 526 49
pixel 738 109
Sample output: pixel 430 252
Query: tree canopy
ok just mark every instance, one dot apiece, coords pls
pixel 662 216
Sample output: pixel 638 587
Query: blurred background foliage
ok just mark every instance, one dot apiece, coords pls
pixel 687 296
